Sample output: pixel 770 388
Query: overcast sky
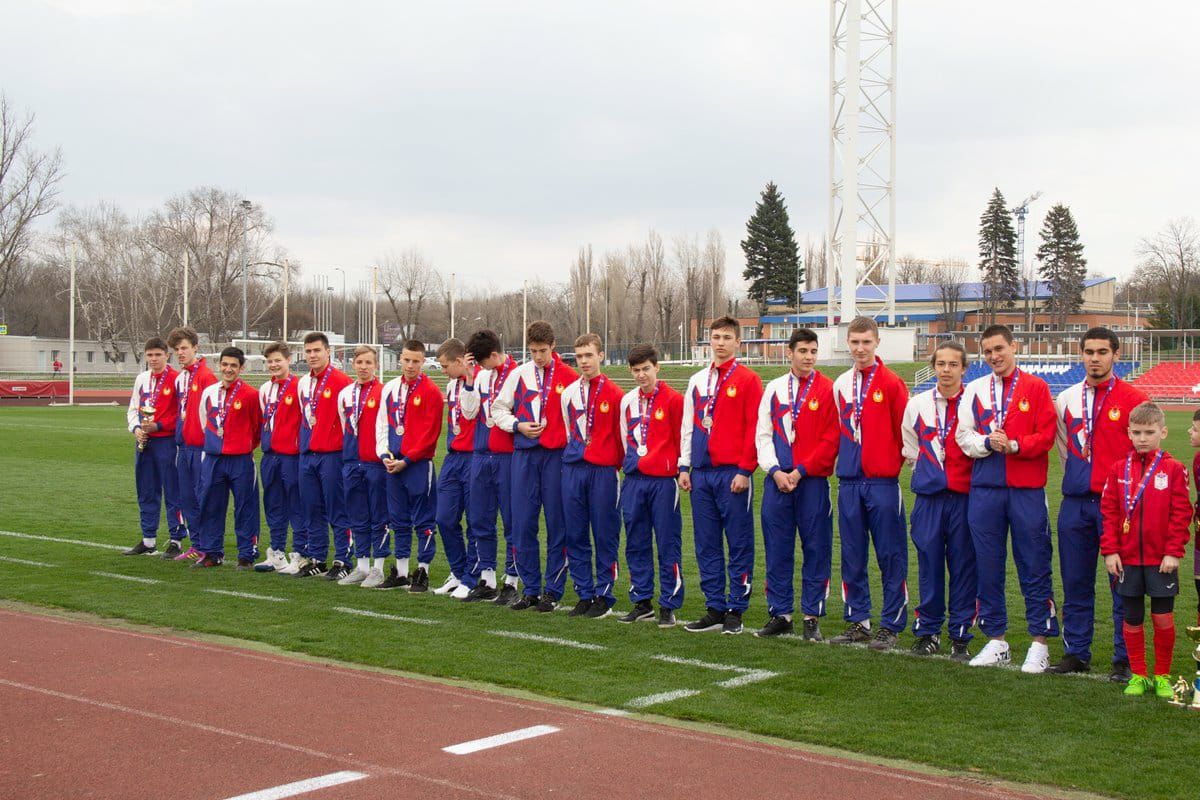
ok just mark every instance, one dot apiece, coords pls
pixel 498 137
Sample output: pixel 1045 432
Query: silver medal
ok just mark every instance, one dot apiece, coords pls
pixel 455 430
pixel 220 430
pixel 857 436
pixel 311 417
pixel 399 430
pixel 642 450
pixel 707 423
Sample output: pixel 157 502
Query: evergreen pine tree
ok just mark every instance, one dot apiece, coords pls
pixel 998 257
pixel 1063 266
pixel 772 257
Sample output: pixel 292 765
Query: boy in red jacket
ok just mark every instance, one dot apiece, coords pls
pixel 1147 511
pixel 153 408
pixel 363 475
pixel 193 378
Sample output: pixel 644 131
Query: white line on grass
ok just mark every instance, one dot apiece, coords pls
pixel 692 662
pixel 475 745
pixel 745 675
pixel 118 576
pixel 303 787
pixel 613 712
pixel 27 563
pixel 79 542
pixel 750 676
pixel 533 637
pixel 661 697
pixel 362 612
pixel 248 595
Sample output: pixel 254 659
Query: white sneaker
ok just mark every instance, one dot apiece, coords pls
pixel 449 586
pixel 1037 659
pixel 294 561
pixel 271 562
pixel 356 575
pixel 374 577
pixel 995 653
pixel 460 592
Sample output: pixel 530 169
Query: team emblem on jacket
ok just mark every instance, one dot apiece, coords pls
pixel 558 389
pixel 417 400
pixel 814 404
pixel 1024 404
pixel 659 414
pixel 878 396
pixel 1114 414
pixel 327 394
pixel 1160 481
pixel 603 406
pixel 166 391
pixel 237 404
pixel 371 403
pixel 287 401
pixel 195 388
pixel 731 391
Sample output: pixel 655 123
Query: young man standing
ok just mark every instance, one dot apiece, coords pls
pixel 871 401
pixel 590 487
pixel 717 459
pixel 1093 434
pixel 232 425
pixel 941 479
pixel 797 440
pixel 153 410
pixel 279 469
pixel 193 378
pixel 1007 425
pixel 529 406
pixel 321 461
pixel 491 470
pixel 406 437
pixel 363 476
pixel 651 418
pixel 454 481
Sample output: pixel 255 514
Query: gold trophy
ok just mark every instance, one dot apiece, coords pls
pixel 1194 635
pixel 145 415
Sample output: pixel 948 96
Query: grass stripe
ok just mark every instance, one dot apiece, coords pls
pixel 79 542
pixel 118 576
pixel 248 595
pixel 533 637
pixel 26 562
pixel 362 612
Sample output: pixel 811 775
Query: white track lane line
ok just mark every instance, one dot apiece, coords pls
pixel 303 787
pixel 475 745
pixel 27 563
pixel 80 542
pixel 248 595
pixel 118 576
pixel 362 612
pixel 661 697
pixel 533 637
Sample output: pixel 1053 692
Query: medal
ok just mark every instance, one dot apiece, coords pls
pixel 857 436
pixel 497 381
pixel 399 430
pixel 860 397
pixel 642 450
pixel 944 424
pixel 715 391
pixel 187 389
pixel 455 429
pixel 1132 500
pixel 544 378
pixel 401 410
pixel 1091 413
pixel 223 408
pixel 220 430
pixel 360 397
pixel 645 411
pixel 1001 411
pixel 793 406
pixel 453 411
pixel 588 401
pixel 273 407
pixel 707 423
pixel 313 398
pixel 1125 526
pixel 310 417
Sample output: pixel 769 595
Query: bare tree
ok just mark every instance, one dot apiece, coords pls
pixel 950 277
pixel 28 188
pixel 713 263
pixel 814 264
pixel 409 282
pixel 1170 271
pixel 910 269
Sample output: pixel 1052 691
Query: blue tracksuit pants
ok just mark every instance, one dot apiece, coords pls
pixel 871 511
pixel 1079 525
pixel 537 487
pixel 650 508
pixel 490 490
pixel 943 541
pixel 591 510
pixel 412 505
pixel 219 477
pixel 806 510
pixel 187 468
pixel 279 474
pixel 364 484
pixel 324 506
pixel 720 520
pixel 453 498
pixel 157 482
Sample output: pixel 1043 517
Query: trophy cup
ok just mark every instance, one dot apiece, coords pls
pixel 1194 635
pixel 145 414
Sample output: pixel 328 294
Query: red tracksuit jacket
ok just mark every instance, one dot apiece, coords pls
pixel 1030 420
pixel 520 401
pixel 232 425
pixel 464 440
pixel 879 455
pixel 936 468
pixel 730 440
pixel 603 407
pixel 419 404
pixel 661 435
pixel 1109 404
pixel 189 385
pixel 1159 524
pixel 157 391
pixel 810 443
pixel 320 393
pixel 280 404
pixel 358 424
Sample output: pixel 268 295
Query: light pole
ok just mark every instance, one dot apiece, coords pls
pixel 524 315
pixel 339 269
pixel 246 206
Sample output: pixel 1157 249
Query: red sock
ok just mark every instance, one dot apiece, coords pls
pixel 1135 645
pixel 1164 642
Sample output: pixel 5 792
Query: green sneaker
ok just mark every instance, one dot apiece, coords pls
pixel 1138 686
pixel 1162 687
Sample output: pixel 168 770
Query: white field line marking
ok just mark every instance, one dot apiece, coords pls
pixel 745 675
pixel 248 595
pixel 752 676
pixel 533 637
pixel 661 697
pixel 613 712
pixel 26 563
pixel 520 735
pixel 114 431
pixel 362 612
pixel 79 542
pixel 118 576
pixel 303 787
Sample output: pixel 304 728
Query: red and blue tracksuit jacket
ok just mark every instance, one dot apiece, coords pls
pixel 190 383
pixel 232 426
pixel 279 468
pixel 454 480
pixel 491 473
pixel 363 476
pixel 155 474
pixel 321 464
pixel 416 407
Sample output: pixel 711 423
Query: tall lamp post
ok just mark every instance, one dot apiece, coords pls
pixel 246 207
pixel 344 334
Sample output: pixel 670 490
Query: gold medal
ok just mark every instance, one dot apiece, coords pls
pixel 1125 526
pixel 220 430
pixel 399 430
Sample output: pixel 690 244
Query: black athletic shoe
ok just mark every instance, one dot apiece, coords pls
pixel 776 626
pixel 207 562
pixel 641 610
pixel 508 595
pixel 313 569
pixel 812 630
pixel 959 651
pixel 140 549
pixel 600 609
pixel 666 618
pixel 480 591
pixel 547 603
pixel 1070 663
pixel 884 639
pixel 174 548
pixel 733 623
pixel 420 581
pixel 245 563
pixel 337 571
pixel 926 645
pixel 526 601
pixel 713 620
pixel 394 580
pixel 1120 672
pixel 580 608
pixel 855 633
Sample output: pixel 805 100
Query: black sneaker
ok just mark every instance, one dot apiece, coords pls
pixel 547 603
pixel 855 633
pixel 1070 663
pixel 420 581
pixel 776 626
pixel 666 618
pixel 926 645
pixel 641 610
pixel 140 549
pixel 1120 672
pixel 812 630
pixel 394 580
pixel 337 571
pixel 884 639
pixel 526 601
pixel 480 591
pixel 245 563
pixel 733 623
pixel 207 562
pixel 959 651
pixel 508 595
pixel 313 569
pixel 580 608
pixel 600 609
pixel 174 548
pixel 713 620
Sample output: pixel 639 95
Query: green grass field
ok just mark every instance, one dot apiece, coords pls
pixel 69 475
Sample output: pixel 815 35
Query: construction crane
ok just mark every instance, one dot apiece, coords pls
pixel 1029 281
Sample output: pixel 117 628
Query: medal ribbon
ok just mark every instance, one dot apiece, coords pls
pixel 1091 412
pixel 223 406
pixel 409 391
pixel 187 390
pixel 944 425
pixel 273 406
pixel 646 411
pixel 796 407
pixel 589 403
pixel 497 381
pixel 1001 412
pixel 714 392
pixel 544 377
pixel 452 409
pixel 156 392
pixel 315 397
pixel 860 396
pixel 360 398
pixel 1131 501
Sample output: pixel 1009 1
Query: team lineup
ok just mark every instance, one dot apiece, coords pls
pixel 352 458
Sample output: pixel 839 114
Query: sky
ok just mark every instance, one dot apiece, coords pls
pixel 500 137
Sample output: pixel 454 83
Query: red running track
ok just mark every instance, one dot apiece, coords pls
pixel 98 712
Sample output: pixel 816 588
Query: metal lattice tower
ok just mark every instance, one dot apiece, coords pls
pixel 862 154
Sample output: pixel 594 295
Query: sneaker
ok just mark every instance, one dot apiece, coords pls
pixel 507 596
pixel 1138 686
pixel 641 610
pixel 312 569
pixel 356 575
pixel 812 630
pixel 1120 672
pixel 245 563
pixel 526 601
pixel 420 581
pixel 206 562
pixel 1070 663
pixel 884 639
pixel 926 645
pixel 1037 659
pixel 713 620
pixel 374 578
pixel 666 618
pixel 547 603
pixel 140 549
pixel 855 633
pixel 959 650
pixel 191 554
pixel 995 653
pixel 291 565
pixel 482 591
pixel 733 623
pixel 337 571
pixel 449 586
pixel 776 626
pixel 581 608
pixel 174 548
pixel 460 592
pixel 394 580
pixel 1162 687
pixel 599 610
pixel 276 560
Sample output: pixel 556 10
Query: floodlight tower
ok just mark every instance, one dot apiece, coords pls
pixel 1020 211
pixel 862 154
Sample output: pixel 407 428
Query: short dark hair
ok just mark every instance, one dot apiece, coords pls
pixel 950 344
pixel 1103 334
pixel 317 336
pixel 540 332
pixel 156 343
pixel 277 347
pixel 726 322
pixel 234 352
pixel 641 353
pixel 183 332
pixel 799 335
pixel 452 349
pixel 997 330
pixel 863 325
pixel 415 345
pixel 483 343
pixel 1196 415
